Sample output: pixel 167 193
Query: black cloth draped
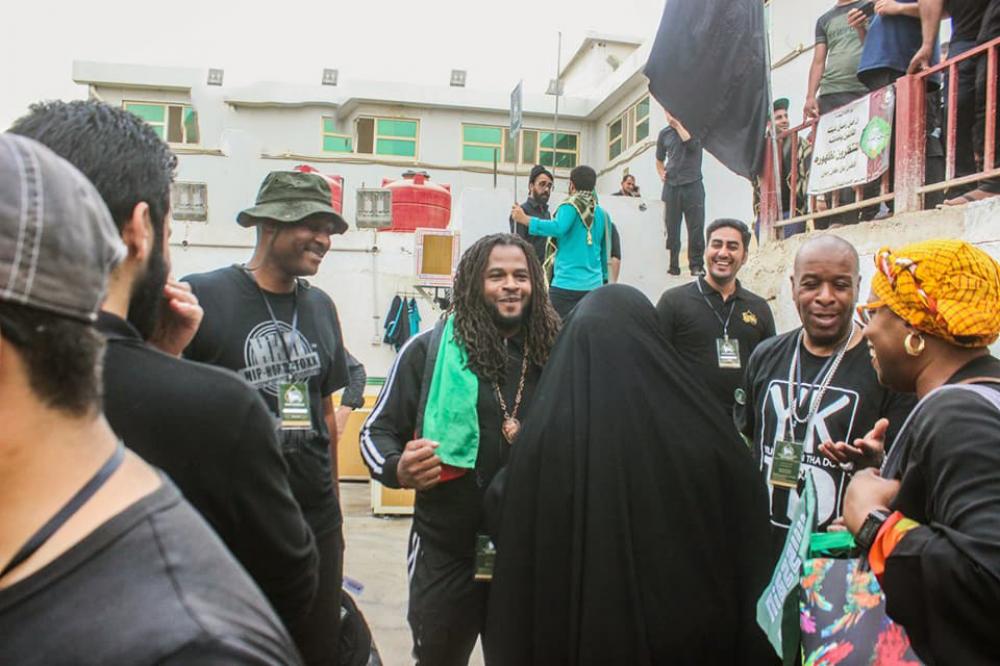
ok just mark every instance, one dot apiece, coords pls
pixel 634 528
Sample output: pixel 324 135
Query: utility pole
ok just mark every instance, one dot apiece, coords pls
pixel 555 122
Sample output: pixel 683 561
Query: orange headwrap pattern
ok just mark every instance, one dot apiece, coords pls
pixel 946 288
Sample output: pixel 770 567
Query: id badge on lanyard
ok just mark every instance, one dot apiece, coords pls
pixel 728 351
pixel 486 555
pixel 786 464
pixel 293 405
pixel 293 396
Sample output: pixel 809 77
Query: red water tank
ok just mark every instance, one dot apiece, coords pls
pixel 336 186
pixel 418 203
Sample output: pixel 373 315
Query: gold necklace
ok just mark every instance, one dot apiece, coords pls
pixel 511 426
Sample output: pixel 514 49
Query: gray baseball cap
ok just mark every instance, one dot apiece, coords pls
pixel 58 243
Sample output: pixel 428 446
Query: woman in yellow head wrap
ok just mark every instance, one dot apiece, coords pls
pixel 930 521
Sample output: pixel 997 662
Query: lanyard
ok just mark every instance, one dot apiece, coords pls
pixel 274 319
pixel 67 511
pixel 732 306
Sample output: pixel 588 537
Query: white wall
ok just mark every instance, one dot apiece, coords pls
pixel 793 30
pixel 591 67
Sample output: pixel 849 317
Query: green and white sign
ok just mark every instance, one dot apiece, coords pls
pixel 853 143
pixel 778 607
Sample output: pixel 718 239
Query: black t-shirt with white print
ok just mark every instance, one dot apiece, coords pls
pixel 854 400
pixel 238 333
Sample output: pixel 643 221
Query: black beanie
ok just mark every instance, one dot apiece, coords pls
pixel 537 171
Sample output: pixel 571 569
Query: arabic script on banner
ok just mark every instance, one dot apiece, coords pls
pixel 852 143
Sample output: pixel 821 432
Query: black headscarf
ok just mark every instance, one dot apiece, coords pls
pixel 634 526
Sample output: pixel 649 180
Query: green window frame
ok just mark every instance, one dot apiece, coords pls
pixel 629 128
pixel 396 137
pixel 563 152
pixel 480 143
pixel 174 123
pixel 533 146
pixel 390 137
pixel 334 141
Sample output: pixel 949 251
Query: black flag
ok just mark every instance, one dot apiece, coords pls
pixel 708 69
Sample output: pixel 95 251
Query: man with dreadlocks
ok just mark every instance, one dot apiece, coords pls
pixel 582 233
pixel 444 424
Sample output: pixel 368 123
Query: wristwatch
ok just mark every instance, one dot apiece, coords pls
pixel 869 529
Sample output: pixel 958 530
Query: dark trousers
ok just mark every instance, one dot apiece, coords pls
pixel 933 151
pixel 447 610
pixel 688 202
pixel 965 113
pixel 318 634
pixel 564 300
pixel 989 31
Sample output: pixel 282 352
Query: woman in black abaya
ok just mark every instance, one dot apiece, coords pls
pixel 634 526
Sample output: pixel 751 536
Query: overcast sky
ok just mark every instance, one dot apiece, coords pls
pixel 390 40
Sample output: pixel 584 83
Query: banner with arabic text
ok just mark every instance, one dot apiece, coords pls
pixel 852 145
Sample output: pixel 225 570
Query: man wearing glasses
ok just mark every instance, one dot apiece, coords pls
pixel 815 386
pixel 536 205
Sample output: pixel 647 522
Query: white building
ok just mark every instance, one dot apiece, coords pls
pixel 228 139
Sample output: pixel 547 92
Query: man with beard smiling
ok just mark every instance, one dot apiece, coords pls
pixel 164 408
pixel 444 424
pixel 536 205
pixel 815 385
pixel 714 322
pixel 283 336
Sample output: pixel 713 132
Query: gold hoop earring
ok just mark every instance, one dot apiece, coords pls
pixel 909 346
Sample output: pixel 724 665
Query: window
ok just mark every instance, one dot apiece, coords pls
pixel 560 152
pixel 334 142
pixel 387 136
pixel 480 143
pixel 189 202
pixel 628 129
pixel 174 123
pixel 532 147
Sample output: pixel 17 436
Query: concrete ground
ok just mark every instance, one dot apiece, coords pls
pixel 376 557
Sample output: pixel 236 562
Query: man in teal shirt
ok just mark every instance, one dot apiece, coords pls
pixel 580 229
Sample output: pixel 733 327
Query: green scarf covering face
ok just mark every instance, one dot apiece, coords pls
pixel 450 417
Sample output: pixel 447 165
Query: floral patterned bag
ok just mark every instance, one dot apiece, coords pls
pixel 843 620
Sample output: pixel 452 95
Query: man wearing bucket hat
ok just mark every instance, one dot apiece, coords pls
pixel 101 559
pixel 283 336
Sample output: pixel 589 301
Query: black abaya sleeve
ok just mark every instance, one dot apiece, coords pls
pixel 942 581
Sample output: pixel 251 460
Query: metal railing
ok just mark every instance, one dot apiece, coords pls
pixel 908 186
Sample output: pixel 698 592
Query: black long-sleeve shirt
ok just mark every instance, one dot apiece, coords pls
pixel 533 208
pixel 450 514
pixel 357 378
pixel 942 580
pixel 215 438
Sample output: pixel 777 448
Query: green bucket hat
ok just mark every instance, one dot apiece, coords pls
pixel 292 196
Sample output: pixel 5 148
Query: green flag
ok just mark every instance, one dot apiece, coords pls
pixel 778 607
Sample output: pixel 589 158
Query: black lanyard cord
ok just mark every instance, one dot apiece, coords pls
pixel 732 307
pixel 274 319
pixel 67 511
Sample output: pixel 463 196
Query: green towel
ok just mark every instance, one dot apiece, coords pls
pixel 450 417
